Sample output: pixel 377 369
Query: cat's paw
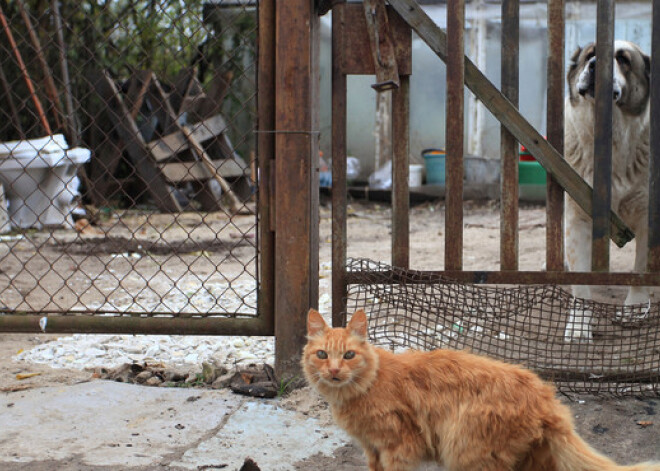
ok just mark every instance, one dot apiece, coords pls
pixel 578 327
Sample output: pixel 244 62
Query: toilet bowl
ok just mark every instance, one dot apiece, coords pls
pixel 40 182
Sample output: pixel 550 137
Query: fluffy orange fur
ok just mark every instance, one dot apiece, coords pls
pixel 461 410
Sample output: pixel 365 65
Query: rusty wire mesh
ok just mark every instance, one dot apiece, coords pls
pixel 127 157
pixel 523 325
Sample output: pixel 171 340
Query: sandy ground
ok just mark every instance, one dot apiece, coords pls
pixel 610 425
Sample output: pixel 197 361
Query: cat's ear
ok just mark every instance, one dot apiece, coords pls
pixel 358 324
pixel 315 323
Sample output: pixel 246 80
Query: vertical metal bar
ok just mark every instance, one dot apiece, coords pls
pixel 296 184
pixel 654 164
pixel 555 131
pixel 454 132
pixel 400 169
pixel 508 145
pixel 265 154
pixel 339 185
pixel 602 195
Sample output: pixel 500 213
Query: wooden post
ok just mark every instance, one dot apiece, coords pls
pixel 296 179
pixel 555 127
pixel 602 194
pixel 265 155
pixel 654 164
pixel 455 137
pixel 339 183
pixel 509 145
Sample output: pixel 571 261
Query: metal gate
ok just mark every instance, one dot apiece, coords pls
pixel 130 166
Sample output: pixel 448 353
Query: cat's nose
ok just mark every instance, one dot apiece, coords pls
pixel 334 371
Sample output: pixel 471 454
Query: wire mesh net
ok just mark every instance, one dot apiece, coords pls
pixel 523 324
pixel 127 150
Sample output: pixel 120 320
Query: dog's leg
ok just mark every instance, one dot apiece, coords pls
pixel 638 294
pixel 577 240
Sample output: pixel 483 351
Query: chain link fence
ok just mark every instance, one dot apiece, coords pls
pixel 127 157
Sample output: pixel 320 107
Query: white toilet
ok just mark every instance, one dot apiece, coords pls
pixel 40 181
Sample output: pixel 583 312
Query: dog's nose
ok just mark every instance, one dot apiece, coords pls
pixel 616 94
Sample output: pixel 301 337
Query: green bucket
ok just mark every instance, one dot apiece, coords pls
pixel 434 161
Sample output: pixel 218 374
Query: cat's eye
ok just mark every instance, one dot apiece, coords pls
pixel 322 355
pixel 349 355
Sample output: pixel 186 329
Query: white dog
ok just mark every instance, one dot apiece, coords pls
pixel 630 163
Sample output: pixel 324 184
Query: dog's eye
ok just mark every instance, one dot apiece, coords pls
pixel 322 355
pixel 623 59
pixel 349 355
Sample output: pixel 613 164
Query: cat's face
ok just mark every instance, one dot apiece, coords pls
pixel 336 358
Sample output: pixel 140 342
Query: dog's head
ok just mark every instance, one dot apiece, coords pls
pixel 631 81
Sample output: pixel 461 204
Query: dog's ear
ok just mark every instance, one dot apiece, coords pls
pixel 571 73
pixel 575 56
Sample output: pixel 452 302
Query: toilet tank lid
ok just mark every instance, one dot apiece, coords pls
pixel 44 145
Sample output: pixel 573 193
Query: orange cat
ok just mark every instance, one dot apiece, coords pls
pixel 467 412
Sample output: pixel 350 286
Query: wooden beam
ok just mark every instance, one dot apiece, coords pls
pixel 172 144
pixel 454 125
pixel 509 154
pixel 554 231
pixel 339 183
pixel 178 172
pixel 510 117
pixel 136 147
pixel 602 195
pixel 296 179
pixel 382 49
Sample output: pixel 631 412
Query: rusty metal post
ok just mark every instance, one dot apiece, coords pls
pixel 400 169
pixel 265 156
pixel 296 179
pixel 339 185
pixel 455 137
pixel 508 144
pixel 555 131
pixel 602 194
pixel 654 164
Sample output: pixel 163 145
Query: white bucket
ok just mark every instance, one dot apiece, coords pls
pixel 415 175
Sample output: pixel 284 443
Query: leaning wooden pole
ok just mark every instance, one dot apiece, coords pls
pixel 26 76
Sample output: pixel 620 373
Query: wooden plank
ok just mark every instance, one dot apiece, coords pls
pixel 382 49
pixel 654 164
pixel 339 183
pixel 265 155
pixel 400 170
pixel 602 194
pixel 507 277
pixel 296 179
pixel 172 144
pixel 357 57
pixel 508 115
pixel 179 172
pixel 235 205
pixel 455 137
pixel 135 145
pixel 509 155
pixel 554 231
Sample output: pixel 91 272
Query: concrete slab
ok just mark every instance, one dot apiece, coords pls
pixel 109 425
pixel 274 437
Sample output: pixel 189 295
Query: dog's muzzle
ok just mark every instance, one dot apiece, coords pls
pixel 586 85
